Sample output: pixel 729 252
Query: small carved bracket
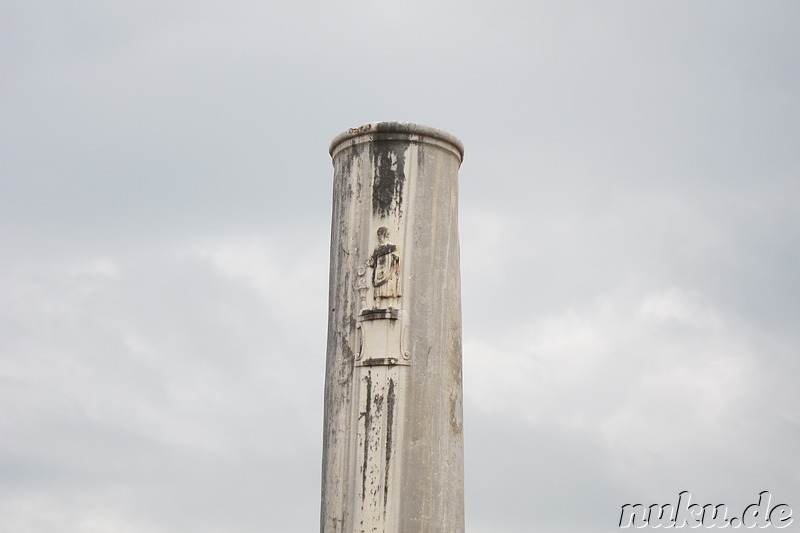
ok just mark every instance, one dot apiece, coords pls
pixel 379 314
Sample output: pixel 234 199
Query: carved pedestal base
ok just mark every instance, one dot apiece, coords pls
pixel 381 339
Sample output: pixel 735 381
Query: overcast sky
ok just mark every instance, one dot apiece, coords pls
pixel 630 240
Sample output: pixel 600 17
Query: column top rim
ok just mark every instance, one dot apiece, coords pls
pixel 403 128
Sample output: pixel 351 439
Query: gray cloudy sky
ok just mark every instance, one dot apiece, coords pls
pixel 630 252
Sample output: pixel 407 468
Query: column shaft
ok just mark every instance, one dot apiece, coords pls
pixel 393 444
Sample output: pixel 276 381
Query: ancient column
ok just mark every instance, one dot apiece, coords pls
pixel 393 457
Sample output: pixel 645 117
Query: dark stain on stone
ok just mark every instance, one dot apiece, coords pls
pixel 344 358
pixel 367 424
pixel 456 424
pixel 421 155
pixel 348 159
pixel 389 424
pixel 388 160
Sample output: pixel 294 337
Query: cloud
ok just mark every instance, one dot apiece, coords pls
pixel 123 374
pixel 639 373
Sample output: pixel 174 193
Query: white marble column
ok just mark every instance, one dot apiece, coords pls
pixel 393 444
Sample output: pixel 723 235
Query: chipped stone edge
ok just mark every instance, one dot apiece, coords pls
pixel 397 130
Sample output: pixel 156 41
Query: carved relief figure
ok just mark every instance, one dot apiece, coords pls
pixel 385 262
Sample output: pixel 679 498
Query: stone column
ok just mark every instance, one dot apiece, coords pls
pixel 393 458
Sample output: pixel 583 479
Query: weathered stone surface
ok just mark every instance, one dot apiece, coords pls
pixel 393 445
